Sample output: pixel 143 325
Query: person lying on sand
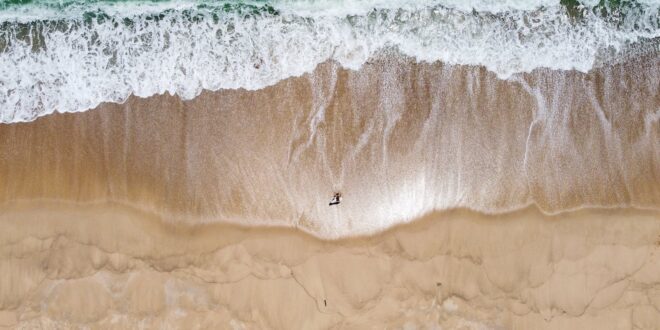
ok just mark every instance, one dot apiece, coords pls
pixel 336 199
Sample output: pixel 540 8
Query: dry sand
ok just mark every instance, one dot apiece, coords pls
pixel 108 266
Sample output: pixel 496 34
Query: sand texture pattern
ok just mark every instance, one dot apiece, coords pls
pixel 104 266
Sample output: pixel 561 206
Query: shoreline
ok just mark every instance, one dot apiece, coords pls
pixel 397 139
pixel 320 165
pixel 24 205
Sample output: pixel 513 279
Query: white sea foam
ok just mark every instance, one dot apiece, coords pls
pixel 71 58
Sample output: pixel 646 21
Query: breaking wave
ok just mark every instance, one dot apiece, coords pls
pixel 70 56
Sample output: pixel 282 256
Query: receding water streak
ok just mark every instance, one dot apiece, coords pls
pixel 397 138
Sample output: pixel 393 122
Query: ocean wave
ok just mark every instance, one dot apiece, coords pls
pixel 70 56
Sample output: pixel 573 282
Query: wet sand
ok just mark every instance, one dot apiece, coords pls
pixel 212 213
pixel 398 139
pixel 110 266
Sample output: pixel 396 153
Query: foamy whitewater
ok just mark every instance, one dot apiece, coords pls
pixel 70 56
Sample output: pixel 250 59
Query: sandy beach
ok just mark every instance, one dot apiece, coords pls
pixel 398 139
pixel 108 266
pixel 210 213
pixel 177 164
